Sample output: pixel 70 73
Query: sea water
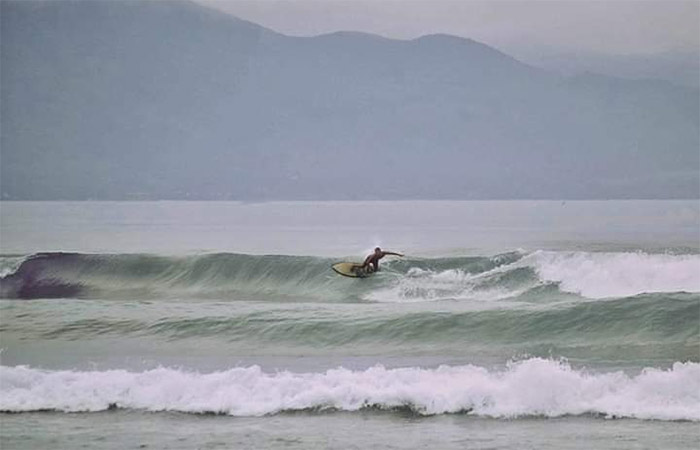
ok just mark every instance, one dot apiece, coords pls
pixel 509 324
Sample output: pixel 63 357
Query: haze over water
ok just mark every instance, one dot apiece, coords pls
pixel 346 228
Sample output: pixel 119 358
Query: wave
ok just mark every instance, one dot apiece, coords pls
pixel 532 387
pixel 227 275
pixel 651 324
pixel 223 275
pixel 9 264
pixel 600 275
pixel 55 275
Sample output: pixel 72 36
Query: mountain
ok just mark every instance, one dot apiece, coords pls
pixel 679 67
pixel 171 100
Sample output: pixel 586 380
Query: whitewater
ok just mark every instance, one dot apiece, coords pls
pixel 534 387
pixel 196 325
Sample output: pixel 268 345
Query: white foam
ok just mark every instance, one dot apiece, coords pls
pixel 454 284
pixel 534 387
pixel 10 264
pixel 601 275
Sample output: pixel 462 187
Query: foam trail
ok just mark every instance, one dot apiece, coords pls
pixel 601 275
pixel 429 285
pixel 533 387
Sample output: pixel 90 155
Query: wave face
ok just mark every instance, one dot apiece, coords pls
pixel 532 387
pixel 232 276
pixel 646 326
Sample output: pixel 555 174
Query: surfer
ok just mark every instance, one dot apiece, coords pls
pixel 373 259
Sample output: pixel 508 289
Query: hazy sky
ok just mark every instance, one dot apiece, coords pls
pixel 610 26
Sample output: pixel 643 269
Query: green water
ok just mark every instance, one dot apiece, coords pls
pixel 220 325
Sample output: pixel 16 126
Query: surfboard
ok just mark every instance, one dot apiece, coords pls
pixel 348 269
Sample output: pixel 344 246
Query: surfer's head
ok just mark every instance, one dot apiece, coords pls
pixel 377 250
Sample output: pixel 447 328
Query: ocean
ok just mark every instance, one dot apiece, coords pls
pixel 508 324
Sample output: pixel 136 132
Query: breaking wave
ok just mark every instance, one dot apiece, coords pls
pixel 600 275
pixel 234 276
pixel 532 387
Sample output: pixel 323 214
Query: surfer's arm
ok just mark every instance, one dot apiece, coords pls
pixel 393 253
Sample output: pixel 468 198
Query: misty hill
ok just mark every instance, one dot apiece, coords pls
pixel 679 67
pixel 121 100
